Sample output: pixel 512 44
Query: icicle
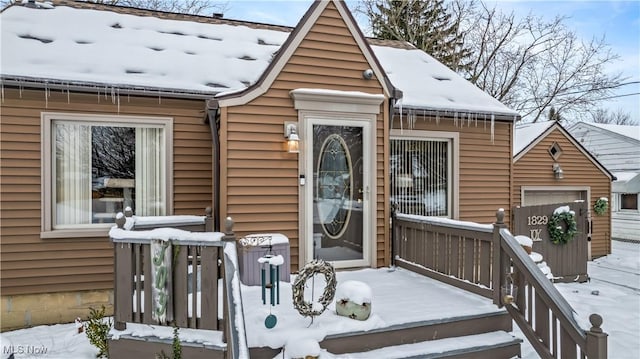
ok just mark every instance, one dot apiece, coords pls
pixel 46 95
pixel 128 96
pixel 113 95
pixel 118 97
pixel 493 124
pixel 159 98
pixel 98 95
pixel 68 95
pixel 2 95
pixel 469 119
pixel 437 117
pixel 485 122
pixel 455 119
pixel 106 88
pixel 20 89
pixel 424 115
pixel 476 116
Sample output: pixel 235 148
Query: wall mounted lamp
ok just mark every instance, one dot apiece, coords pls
pixel 291 134
pixel 557 171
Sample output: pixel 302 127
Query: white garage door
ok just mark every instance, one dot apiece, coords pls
pixel 538 197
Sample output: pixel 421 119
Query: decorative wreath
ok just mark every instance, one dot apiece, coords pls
pixel 601 206
pixel 558 236
pixel 316 266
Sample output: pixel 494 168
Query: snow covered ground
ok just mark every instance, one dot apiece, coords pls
pixel 613 292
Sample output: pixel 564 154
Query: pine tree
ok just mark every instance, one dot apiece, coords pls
pixel 424 23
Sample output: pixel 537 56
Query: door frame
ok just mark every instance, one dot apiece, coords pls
pixel 335 105
pixel 307 192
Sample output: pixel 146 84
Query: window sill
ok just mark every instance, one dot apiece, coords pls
pixel 79 233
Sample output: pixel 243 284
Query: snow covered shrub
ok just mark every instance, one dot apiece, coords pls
pixel 97 330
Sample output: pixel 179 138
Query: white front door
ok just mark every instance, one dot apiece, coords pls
pixel 337 197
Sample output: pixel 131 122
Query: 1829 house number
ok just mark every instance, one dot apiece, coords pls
pixel 534 233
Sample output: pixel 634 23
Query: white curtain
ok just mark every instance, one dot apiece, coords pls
pixel 150 177
pixel 420 176
pixel 72 174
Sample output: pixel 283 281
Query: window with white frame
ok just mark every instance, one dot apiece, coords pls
pixel 422 176
pixel 96 166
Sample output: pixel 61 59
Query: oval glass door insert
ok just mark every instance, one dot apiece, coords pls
pixel 335 186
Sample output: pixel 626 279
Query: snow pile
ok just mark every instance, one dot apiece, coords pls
pixel 272 260
pixel 563 209
pixel 300 348
pixel 355 291
pixel 165 234
pixel 524 240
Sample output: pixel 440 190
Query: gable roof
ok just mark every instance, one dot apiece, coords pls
pixel 292 43
pixel 108 48
pixel 528 135
pixel 629 131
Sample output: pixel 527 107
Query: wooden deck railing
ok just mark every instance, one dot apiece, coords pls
pixel 457 253
pixel 482 259
pixel 198 263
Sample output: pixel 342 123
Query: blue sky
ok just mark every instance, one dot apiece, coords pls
pixel 618 21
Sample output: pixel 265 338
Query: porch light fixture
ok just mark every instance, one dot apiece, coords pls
pixel 557 171
pixel 291 134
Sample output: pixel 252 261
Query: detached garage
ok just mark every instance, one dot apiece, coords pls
pixel 551 168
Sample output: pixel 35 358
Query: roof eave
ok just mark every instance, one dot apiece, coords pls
pixel 93 87
pixel 448 112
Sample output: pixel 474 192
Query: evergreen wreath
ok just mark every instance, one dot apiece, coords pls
pixel 314 267
pixel 601 206
pixel 558 236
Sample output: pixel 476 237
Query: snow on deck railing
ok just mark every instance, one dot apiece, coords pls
pixel 129 221
pixel 545 317
pixel 193 249
pixel 483 259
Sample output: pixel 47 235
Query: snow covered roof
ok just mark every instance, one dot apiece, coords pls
pixel 631 131
pixel 97 45
pixel 122 50
pixel 626 182
pixel 526 133
pixel 428 84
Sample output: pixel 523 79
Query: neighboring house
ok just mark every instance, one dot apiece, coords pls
pixel 551 166
pixel 105 107
pixel 617 147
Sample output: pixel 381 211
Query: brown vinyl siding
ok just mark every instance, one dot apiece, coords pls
pixel 30 264
pixel 259 177
pixel 535 169
pixel 485 165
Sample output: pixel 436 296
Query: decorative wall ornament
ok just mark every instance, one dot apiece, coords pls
pixel 556 233
pixel 601 206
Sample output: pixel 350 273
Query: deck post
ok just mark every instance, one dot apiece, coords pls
pixel 498 268
pixel 229 236
pixel 208 221
pixel 596 339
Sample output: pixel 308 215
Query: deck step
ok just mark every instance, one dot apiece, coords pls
pixel 454 331
pixel 492 345
pixel 418 332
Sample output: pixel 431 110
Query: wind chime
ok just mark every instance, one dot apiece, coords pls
pixel 270 263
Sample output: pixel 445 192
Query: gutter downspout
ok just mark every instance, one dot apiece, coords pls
pixel 397 95
pixel 213 115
